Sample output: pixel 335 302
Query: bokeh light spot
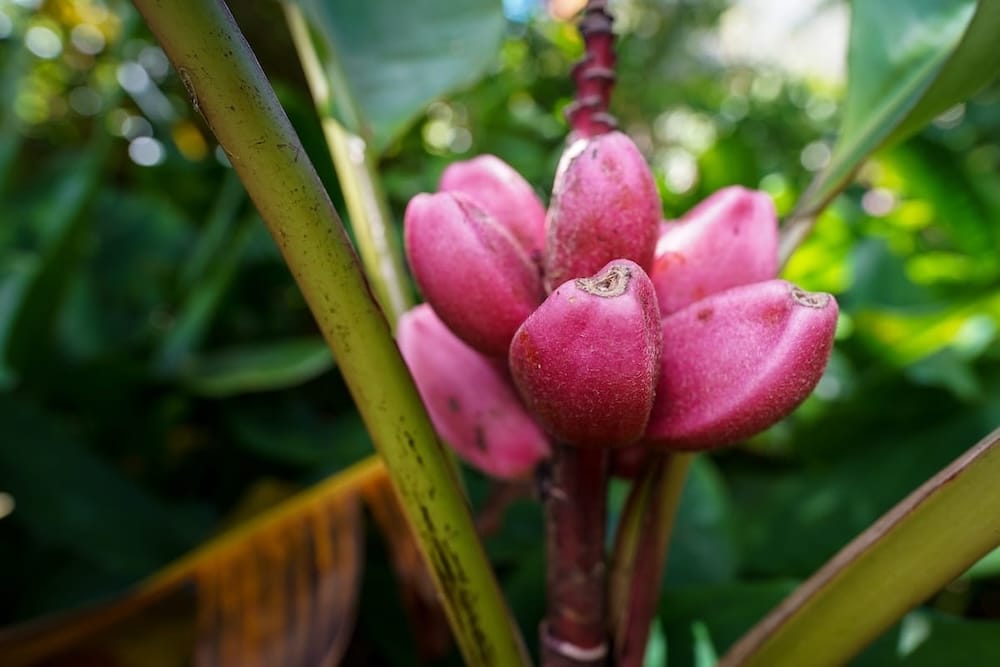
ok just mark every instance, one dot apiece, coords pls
pixel 146 151
pixel 815 156
pixel 6 26
pixel 132 77
pixel 87 39
pixel 6 504
pixel 43 42
pixel 85 101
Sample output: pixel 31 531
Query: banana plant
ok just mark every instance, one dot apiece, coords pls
pixel 576 341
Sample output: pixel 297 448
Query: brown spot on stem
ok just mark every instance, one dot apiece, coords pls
pixel 705 314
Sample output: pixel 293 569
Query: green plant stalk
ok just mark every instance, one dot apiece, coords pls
pixel 914 550
pixel 640 555
pixel 367 208
pixel 231 92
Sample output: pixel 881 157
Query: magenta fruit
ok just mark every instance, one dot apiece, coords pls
pixel 587 359
pixel 604 206
pixel 504 194
pixel 729 239
pixel 471 270
pixel 470 399
pixel 736 362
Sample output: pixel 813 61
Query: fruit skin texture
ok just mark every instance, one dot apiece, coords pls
pixel 729 239
pixel 504 194
pixel 736 362
pixel 604 205
pixel 471 270
pixel 587 359
pixel 470 399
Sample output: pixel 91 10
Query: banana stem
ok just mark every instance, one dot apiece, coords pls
pixel 367 208
pixel 640 555
pixel 231 92
pixel 574 633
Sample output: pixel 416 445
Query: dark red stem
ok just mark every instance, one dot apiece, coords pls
pixel 574 633
pixel 594 75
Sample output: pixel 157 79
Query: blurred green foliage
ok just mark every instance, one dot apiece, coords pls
pixel 157 363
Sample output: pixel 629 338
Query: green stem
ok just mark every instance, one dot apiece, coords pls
pixel 640 555
pixel 367 208
pixel 229 89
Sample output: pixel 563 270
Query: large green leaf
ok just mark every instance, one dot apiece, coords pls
pixel 70 499
pixel 913 551
pixel 929 639
pixel 254 368
pixel 812 510
pixel 394 57
pixel 723 612
pixel 702 548
pixel 292 432
pixel 909 60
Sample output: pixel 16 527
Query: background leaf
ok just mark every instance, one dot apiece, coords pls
pixel 73 500
pixel 399 56
pixel 255 368
pixel 909 61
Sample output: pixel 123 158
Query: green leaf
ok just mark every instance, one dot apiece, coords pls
pixel 702 548
pixel 656 649
pixel 60 228
pixel 126 274
pixel 724 612
pixel 256 368
pixel 292 432
pixel 704 650
pixel 929 638
pixel 915 549
pixel 909 60
pixel 68 498
pixel 397 57
pixel 986 567
pixel 16 274
pixel 813 510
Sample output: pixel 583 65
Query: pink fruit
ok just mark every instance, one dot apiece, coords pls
pixel 739 361
pixel 504 194
pixel 604 206
pixel 470 269
pixel 470 399
pixel 586 361
pixel 729 239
